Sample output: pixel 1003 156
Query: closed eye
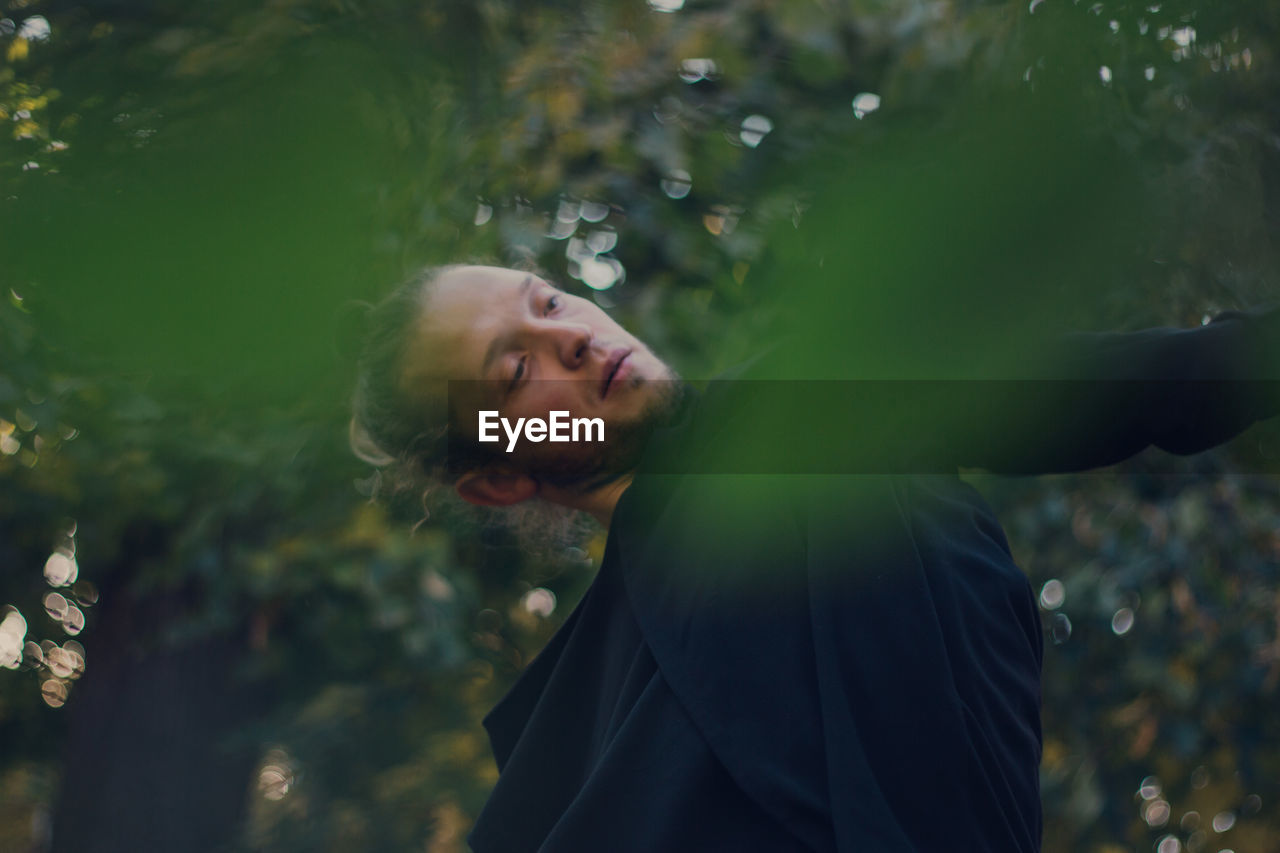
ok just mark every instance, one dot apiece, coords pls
pixel 519 374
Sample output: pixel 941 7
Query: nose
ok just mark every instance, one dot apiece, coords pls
pixel 571 342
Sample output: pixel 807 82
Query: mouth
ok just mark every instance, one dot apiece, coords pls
pixel 615 368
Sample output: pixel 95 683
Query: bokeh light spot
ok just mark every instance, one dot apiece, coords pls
pixel 1156 813
pixel 13 630
pixel 54 693
pixel 75 656
pixel 600 273
pixel 677 183
pixel 602 240
pixel 1061 630
pixel 437 587
pixel 1052 594
pixel 85 592
pixel 55 604
pixel 698 69
pixel 60 569
pixel 276 776
pixel 35 28
pixel 865 103
pixel 73 620
pixel 539 601
pixel 60 662
pixel 594 211
pixel 568 211
pixel 754 129
pixel 32 653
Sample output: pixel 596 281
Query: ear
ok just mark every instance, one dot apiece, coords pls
pixel 495 488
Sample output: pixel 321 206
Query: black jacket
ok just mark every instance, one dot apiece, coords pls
pixel 846 661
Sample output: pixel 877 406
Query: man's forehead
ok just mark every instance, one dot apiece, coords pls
pixel 468 296
pixel 480 279
pixel 467 308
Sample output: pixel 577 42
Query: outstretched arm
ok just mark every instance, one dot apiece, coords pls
pixel 1111 395
pixel 1083 401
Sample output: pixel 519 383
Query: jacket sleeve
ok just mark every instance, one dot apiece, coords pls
pixel 1079 401
pixel 1099 398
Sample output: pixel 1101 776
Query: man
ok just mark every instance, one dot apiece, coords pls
pixel 507 339
pixel 773 663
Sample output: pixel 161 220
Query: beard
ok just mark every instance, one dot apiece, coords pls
pixel 621 452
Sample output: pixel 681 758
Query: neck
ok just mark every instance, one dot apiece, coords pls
pixel 599 502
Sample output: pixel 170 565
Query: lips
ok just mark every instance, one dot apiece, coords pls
pixel 611 369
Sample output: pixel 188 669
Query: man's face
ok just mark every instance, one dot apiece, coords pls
pixel 536 349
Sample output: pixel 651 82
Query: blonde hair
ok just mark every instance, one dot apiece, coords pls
pixel 406 438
